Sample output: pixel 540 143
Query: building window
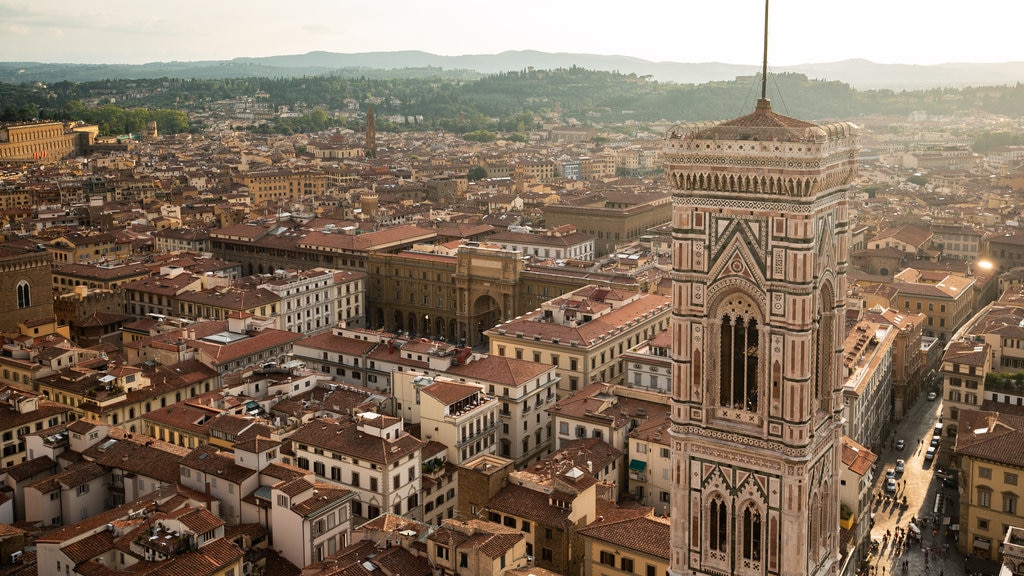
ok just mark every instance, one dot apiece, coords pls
pixel 738 351
pixel 719 525
pixel 984 472
pixel 984 497
pixel 24 297
pixel 751 534
pixel 626 564
pixel 607 558
pixel 1009 503
pixel 1010 478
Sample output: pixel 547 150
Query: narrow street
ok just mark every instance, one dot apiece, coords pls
pixel 931 507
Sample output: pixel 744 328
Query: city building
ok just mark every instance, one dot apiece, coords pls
pixel 990 473
pixel 310 520
pixel 964 368
pixel 24 413
pixel 856 497
pixel 611 217
pixel 583 333
pixel 369 454
pixel 523 387
pixel 867 382
pixel 626 541
pixel 46 141
pixel 760 220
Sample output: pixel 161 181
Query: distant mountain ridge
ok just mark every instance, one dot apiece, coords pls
pixel 860 74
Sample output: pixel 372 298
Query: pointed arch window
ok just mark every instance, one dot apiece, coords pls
pixel 719 525
pixel 738 355
pixel 24 295
pixel 752 533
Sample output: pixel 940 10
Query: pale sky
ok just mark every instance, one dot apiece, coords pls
pixel 729 31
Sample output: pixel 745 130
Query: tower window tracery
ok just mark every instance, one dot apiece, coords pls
pixel 739 350
pixel 751 533
pixel 719 525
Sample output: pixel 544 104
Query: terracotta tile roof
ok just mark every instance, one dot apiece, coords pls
pixel 30 468
pixel 607 323
pixel 991 436
pixel 397 560
pixel 591 455
pixel 529 504
pixel 80 474
pixel 447 392
pixel 210 460
pixel 256 444
pixel 294 486
pixel 324 496
pixel 198 520
pixel 330 342
pixel 654 429
pixel 212 556
pixel 345 438
pixel 856 457
pixel 968 353
pixel 89 547
pixel 282 471
pixel 598 403
pixel 141 455
pixel 500 370
pixel 183 416
pixel 646 534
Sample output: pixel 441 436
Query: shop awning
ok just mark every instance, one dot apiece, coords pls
pixel 981 544
pixel 638 465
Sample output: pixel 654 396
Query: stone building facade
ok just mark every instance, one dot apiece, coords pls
pixel 24 284
pixel 760 223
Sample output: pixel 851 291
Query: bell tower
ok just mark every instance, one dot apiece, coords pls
pixel 760 223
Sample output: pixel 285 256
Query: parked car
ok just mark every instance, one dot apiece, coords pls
pixel 935 441
pixel 930 453
pixel 890 474
pixel 900 466
pixel 901 444
pixel 890 485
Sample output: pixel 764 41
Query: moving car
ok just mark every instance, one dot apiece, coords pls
pixel 930 453
pixel 931 396
pixel 900 444
pixel 890 485
pixel 900 466
pixel 890 474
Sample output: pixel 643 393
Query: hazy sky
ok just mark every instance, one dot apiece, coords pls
pixel 802 31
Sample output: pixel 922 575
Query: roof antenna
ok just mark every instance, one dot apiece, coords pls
pixel 764 62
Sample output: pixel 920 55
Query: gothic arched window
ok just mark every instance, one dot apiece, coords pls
pixel 24 296
pixel 719 524
pixel 751 533
pixel 738 355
